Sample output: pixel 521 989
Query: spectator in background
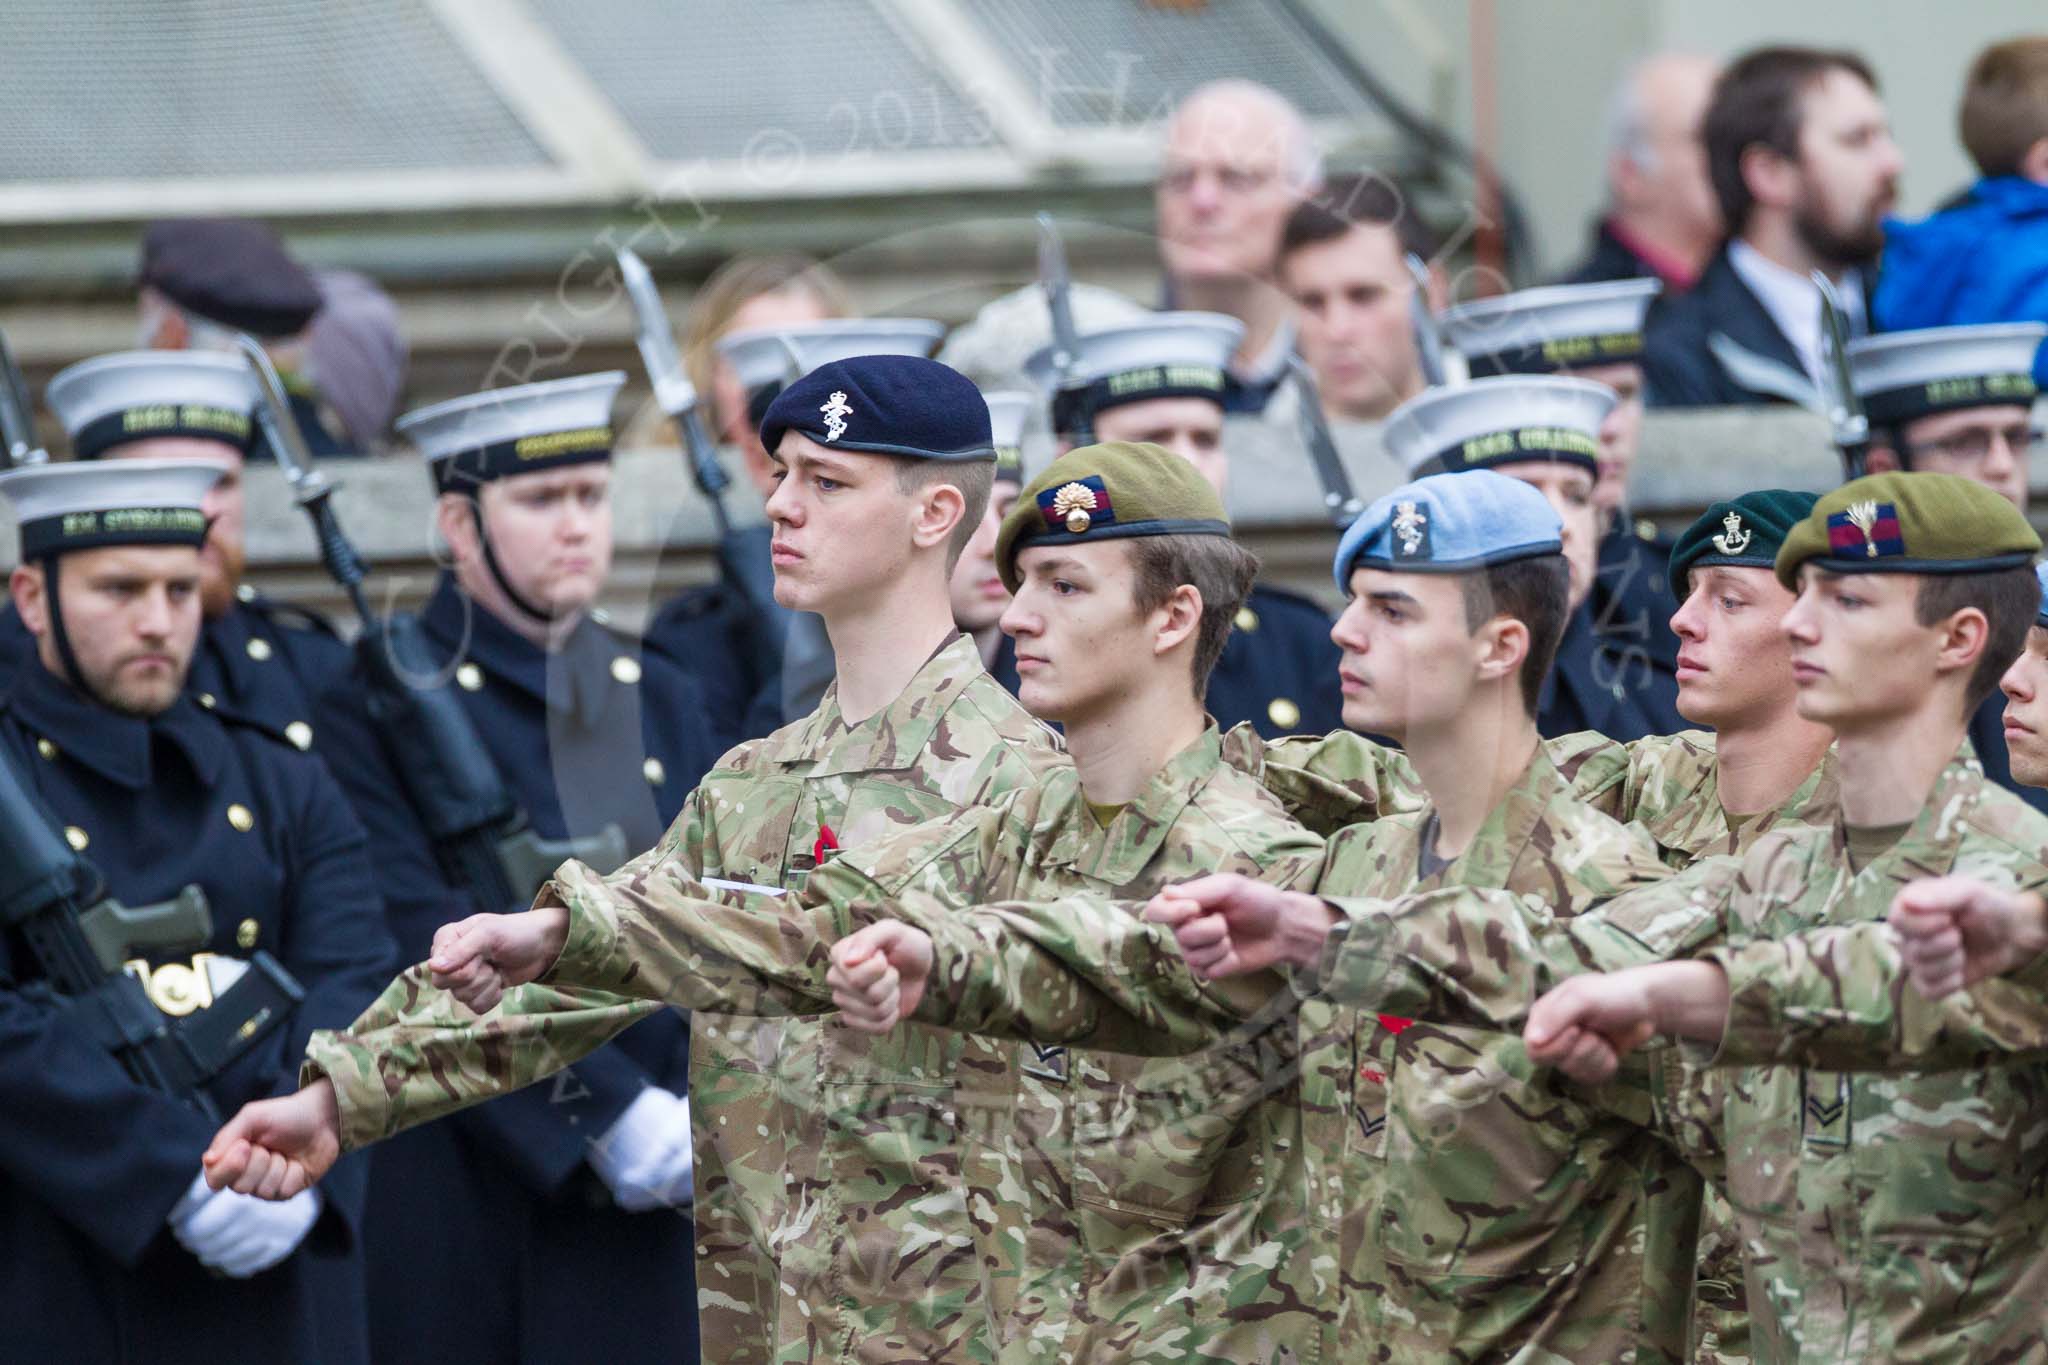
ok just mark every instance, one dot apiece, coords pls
pixel 1983 258
pixel 1804 168
pixel 358 349
pixel 1662 220
pixel 1238 159
pixel 204 279
pixel 1342 263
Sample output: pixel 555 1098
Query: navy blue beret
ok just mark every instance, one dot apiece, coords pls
pixel 885 405
pixel 1450 523
pixel 230 271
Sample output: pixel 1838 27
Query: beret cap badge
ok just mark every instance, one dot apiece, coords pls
pixel 1733 539
pixel 836 412
pixel 1075 505
pixel 1411 528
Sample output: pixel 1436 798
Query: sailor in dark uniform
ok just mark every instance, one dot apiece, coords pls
pixel 1545 430
pixel 555 1231
pixel 1163 380
pixel 1591 331
pixel 1958 400
pixel 761 668
pixel 116 1250
pixel 202 280
pixel 979 597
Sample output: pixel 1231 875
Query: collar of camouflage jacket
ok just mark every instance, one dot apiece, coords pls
pixel 893 738
pixel 1509 826
pixel 1118 854
pixel 1928 848
pixel 120 748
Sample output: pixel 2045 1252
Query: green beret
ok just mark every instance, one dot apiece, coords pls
pixel 1108 492
pixel 1744 531
pixel 1910 523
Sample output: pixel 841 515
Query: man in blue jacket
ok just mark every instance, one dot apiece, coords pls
pixel 1984 258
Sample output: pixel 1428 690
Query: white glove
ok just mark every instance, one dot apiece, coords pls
pixel 644 1158
pixel 239 1234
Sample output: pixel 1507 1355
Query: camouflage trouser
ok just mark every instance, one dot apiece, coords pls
pixel 1720 1302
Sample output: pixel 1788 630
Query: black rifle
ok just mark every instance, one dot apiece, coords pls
pixel 479 834
pixel 1058 283
pixel 742 562
pixel 1340 500
pixel 17 413
pixel 1846 418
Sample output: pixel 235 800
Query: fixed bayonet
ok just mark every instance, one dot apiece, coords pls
pixel 672 387
pixel 1058 283
pixel 1847 422
pixel 1340 500
pixel 1429 342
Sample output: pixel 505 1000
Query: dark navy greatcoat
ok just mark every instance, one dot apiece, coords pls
pixel 91 1163
pixel 1631 599
pixel 491 1239
pixel 1613 686
pixel 1279 668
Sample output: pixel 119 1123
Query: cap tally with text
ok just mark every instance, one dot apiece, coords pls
pixel 1111 491
pixel 1901 376
pixel 87 505
pixel 1450 523
pixel 885 405
pixel 1008 411
pixel 1510 419
pixel 1560 327
pixel 1909 523
pixel 1167 355
pixel 233 272
pixel 137 395
pixel 767 358
pixel 525 429
pixel 1744 532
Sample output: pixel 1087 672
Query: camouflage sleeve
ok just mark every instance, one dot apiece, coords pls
pixel 1328 781
pixel 1481 958
pixel 1081 971
pixel 1838 998
pixel 417 1053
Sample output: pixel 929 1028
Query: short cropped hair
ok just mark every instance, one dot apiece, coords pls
pixel 1218 568
pixel 1759 100
pixel 2005 104
pixel 976 480
pixel 1536 592
pixel 1350 201
pixel 2009 598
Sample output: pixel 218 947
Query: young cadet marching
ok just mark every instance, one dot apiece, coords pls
pixel 1593 332
pixel 116 1248
pixel 1892 1216
pixel 546 1199
pixel 1958 400
pixel 1545 430
pixel 1113 1202
pixel 884 465
pixel 266 662
pixel 715 626
pixel 1164 380
pixel 1459 592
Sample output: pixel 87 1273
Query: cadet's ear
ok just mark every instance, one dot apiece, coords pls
pixel 25 585
pixel 1179 619
pixel 1963 637
pixel 2034 165
pixel 939 508
pixel 457 525
pixel 1499 648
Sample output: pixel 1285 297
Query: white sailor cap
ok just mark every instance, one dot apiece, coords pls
pixel 1168 355
pixel 521 430
pixel 993 346
pixel 768 358
pixel 1509 419
pixel 82 505
pixel 1008 412
pixel 1904 375
pixel 1558 327
pixel 135 395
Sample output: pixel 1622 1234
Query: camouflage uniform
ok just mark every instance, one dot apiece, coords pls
pixel 768 814
pixel 1890 1215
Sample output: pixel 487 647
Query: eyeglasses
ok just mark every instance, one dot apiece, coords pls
pixel 1975 444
